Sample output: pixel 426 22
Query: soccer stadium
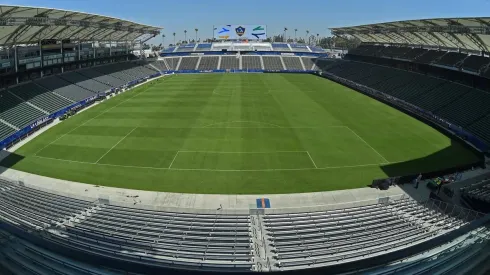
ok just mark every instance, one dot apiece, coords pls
pixel 241 154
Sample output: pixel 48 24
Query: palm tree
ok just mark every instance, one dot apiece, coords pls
pixel 307 32
pixel 196 33
pixel 285 34
pixel 185 36
pixel 317 37
pixel 174 37
pixel 295 31
pixel 163 38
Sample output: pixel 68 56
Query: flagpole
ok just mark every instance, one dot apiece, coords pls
pixel 213 34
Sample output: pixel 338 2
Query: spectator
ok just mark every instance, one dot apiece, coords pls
pixel 417 181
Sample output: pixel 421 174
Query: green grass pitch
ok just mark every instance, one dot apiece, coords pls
pixel 238 134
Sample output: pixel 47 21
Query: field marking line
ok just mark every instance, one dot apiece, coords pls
pixel 254 127
pixel 240 152
pixel 311 159
pixel 170 166
pixel 367 144
pixel 87 121
pixel 215 170
pixel 242 121
pixel 116 144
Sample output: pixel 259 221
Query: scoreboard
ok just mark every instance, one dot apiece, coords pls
pixel 242 32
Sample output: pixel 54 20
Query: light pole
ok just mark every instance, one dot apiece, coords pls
pixel 285 34
pixel 174 38
pixel 196 33
pixel 163 38
pixel 307 33
pixel 295 31
pixel 185 36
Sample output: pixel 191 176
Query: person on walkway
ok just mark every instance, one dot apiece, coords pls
pixel 417 181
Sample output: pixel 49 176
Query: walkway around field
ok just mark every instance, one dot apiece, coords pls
pixel 200 202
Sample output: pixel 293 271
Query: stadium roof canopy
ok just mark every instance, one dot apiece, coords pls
pixel 22 25
pixel 463 33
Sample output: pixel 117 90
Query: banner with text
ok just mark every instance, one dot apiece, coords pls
pixel 244 32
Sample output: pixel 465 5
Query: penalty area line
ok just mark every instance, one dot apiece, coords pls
pixel 365 142
pixel 170 166
pixel 116 144
pixel 311 159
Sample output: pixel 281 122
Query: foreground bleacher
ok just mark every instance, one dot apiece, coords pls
pixel 477 195
pixel 183 240
pixel 322 238
pixel 205 241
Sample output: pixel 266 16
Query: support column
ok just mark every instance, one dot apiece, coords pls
pixel 16 63
pixel 127 50
pixel 42 58
pixel 79 54
pixel 62 58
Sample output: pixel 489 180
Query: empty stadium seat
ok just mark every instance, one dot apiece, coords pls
pixel 429 56
pixel 474 63
pixel 173 62
pixel 309 63
pixel 16 111
pixel 208 63
pixel 102 78
pixel 64 88
pixel 281 47
pixel 299 48
pixel 160 64
pixel 272 63
pixel 40 97
pixel 251 62
pixel 292 63
pixel 413 53
pixel 186 48
pixel 188 63
pixel 85 82
pixel 204 47
pixel 451 58
pixel 5 130
pixel 322 238
pixel 473 105
pixel 157 237
pixel 230 63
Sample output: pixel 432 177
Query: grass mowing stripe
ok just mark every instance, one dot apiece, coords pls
pixel 170 166
pixel 376 151
pixel 87 121
pixel 116 144
pixel 168 117
pixel 213 170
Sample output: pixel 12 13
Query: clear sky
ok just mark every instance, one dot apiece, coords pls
pixel 314 15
